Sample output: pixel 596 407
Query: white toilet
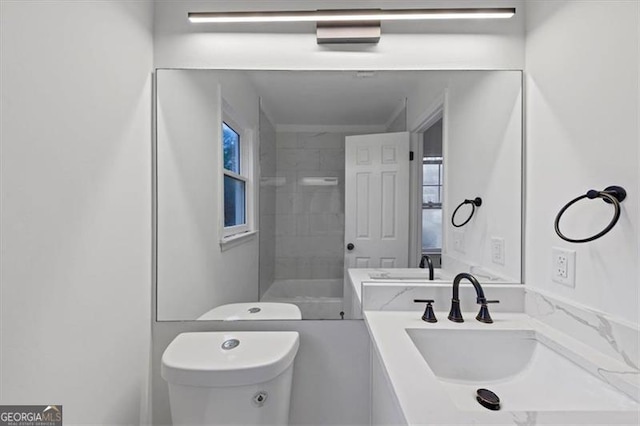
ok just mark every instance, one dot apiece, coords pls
pixel 219 378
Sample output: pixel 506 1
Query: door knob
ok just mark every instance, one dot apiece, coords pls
pixel 350 246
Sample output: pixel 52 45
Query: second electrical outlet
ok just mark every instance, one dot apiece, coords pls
pixel 497 250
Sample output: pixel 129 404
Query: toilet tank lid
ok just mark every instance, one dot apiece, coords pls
pixel 250 357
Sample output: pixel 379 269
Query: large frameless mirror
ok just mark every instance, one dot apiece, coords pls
pixel 270 184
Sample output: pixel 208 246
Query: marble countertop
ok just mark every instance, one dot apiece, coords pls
pixel 423 399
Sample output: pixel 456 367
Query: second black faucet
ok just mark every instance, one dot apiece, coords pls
pixel 426 259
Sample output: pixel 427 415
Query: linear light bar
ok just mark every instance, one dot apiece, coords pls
pixel 350 15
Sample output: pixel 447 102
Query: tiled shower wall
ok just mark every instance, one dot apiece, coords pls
pixel 309 218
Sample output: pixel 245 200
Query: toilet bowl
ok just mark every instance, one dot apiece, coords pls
pixel 253 311
pixel 218 378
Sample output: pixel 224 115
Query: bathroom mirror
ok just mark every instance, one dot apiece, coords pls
pixel 258 191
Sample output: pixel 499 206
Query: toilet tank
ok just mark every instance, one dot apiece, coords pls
pixel 218 378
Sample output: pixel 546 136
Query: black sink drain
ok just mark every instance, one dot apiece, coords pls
pixel 488 399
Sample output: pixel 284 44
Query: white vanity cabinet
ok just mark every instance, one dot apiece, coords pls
pixel 385 409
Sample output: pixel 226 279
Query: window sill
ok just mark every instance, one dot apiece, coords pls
pixel 235 240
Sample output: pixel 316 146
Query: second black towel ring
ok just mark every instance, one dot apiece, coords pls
pixel 611 195
pixel 476 202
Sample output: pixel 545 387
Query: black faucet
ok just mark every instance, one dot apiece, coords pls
pixel 427 259
pixel 455 315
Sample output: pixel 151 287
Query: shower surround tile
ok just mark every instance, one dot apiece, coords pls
pixel 298 159
pixel 324 140
pixel 331 159
pixel 287 140
pixel 309 223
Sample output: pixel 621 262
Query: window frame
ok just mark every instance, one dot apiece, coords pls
pixel 432 206
pixel 439 162
pixel 246 175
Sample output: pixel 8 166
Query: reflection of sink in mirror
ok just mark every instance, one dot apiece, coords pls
pixel 253 312
pixel 526 374
pixel 408 275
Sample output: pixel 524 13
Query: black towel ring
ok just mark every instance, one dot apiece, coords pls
pixel 611 195
pixel 476 202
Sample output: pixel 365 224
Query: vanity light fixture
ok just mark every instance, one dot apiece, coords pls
pixel 351 15
pixel 349 25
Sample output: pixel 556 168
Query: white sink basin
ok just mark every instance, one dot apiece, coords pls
pixel 475 356
pixel 524 372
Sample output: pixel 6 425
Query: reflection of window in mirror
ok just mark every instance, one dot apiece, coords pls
pixel 236 169
pixel 432 182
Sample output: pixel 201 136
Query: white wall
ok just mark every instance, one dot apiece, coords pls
pixel 194 273
pixel 76 207
pixel 432 45
pixel 582 61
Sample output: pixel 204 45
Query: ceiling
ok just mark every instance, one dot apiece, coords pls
pixel 334 98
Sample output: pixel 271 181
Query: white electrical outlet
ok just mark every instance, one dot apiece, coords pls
pixel 563 266
pixel 497 250
pixel 458 241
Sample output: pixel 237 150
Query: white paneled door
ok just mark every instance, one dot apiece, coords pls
pixel 377 200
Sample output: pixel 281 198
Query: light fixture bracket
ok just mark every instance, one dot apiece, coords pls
pixel 348 32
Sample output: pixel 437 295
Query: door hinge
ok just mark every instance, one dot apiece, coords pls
pixel 410 155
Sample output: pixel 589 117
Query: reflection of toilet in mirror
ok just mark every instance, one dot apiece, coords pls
pixel 221 378
pixel 256 311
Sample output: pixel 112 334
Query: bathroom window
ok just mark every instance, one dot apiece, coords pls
pixel 432 177
pixel 230 148
pixel 236 170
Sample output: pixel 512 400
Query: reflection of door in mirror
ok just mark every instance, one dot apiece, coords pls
pixel 377 200
pixel 432 192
